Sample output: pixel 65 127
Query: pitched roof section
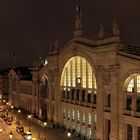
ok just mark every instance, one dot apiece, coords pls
pixel 125 50
pixel 24 72
pixel 4 71
pixel 130 51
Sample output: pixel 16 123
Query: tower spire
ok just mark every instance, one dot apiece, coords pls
pixel 78 23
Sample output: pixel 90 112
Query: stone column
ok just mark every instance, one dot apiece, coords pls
pixel 81 121
pixel 86 124
pixel 80 97
pixel 92 126
pixel 86 98
pixel 114 135
pixel 134 133
pixel 100 104
pixel 75 96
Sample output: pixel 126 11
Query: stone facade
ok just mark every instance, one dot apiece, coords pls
pixel 89 87
pixel 109 110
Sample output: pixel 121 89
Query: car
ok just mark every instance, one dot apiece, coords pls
pixel 19 129
pixel 27 136
pixel 2 115
pixel 1 129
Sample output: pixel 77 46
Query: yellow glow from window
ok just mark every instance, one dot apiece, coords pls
pixel 134 84
pixel 130 85
pixel 138 83
pixel 78 67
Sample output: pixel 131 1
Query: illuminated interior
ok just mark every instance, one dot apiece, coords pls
pixel 134 84
pixel 44 80
pixel 44 88
pixel 78 72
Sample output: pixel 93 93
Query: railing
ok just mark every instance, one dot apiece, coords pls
pixel 41 123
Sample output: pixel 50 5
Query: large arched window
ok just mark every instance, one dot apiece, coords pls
pixel 134 84
pixel 78 80
pixel 44 88
pixel 132 89
pixel 78 72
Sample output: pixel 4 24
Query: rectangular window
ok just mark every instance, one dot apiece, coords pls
pixel 83 117
pixel 138 130
pixel 89 76
pixel 78 115
pixel 130 86
pixel 84 73
pixel 129 132
pixel 138 83
pixel 73 73
pixel 89 119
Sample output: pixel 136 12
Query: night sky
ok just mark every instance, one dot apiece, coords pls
pixel 28 26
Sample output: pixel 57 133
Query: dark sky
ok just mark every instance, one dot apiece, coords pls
pixel 28 26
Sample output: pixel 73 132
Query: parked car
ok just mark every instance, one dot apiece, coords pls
pixel 19 129
pixel 2 115
pixel 27 136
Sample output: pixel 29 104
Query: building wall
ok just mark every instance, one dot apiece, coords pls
pixel 103 117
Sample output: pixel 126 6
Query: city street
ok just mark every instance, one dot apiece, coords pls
pixel 38 132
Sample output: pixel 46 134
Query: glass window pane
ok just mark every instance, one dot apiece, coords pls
pixel 138 83
pixel 130 85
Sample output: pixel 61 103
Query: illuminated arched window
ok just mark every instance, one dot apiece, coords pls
pixel 78 72
pixel 132 92
pixel 134 84
pixel 44 88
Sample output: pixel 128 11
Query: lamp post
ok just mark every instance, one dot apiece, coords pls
pixel 29 117
pixel 12 106
pixel 45 126
pixel 4 101
pixel 19 111
pixel 69 134
pixel 11 135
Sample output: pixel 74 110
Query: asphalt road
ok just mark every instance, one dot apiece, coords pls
pixel 38 133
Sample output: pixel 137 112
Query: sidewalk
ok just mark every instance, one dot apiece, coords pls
pixel 39 132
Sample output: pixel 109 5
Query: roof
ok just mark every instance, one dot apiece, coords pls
pixel 4 71
pixel 24 72
pixel 130 51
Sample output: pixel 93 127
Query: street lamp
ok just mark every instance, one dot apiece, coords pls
pixel 12 106
pixel 29 117
pixel 11 135
pixel 4 101
pixel 45 126
pixel 69 134
pixel 19 111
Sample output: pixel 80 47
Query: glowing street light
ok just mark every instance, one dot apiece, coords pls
pixel 29 117
pixel 69 134
pixel 4 101
pixel 12 106
pixel 11 135
pixel 19 111
pixel 45 126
